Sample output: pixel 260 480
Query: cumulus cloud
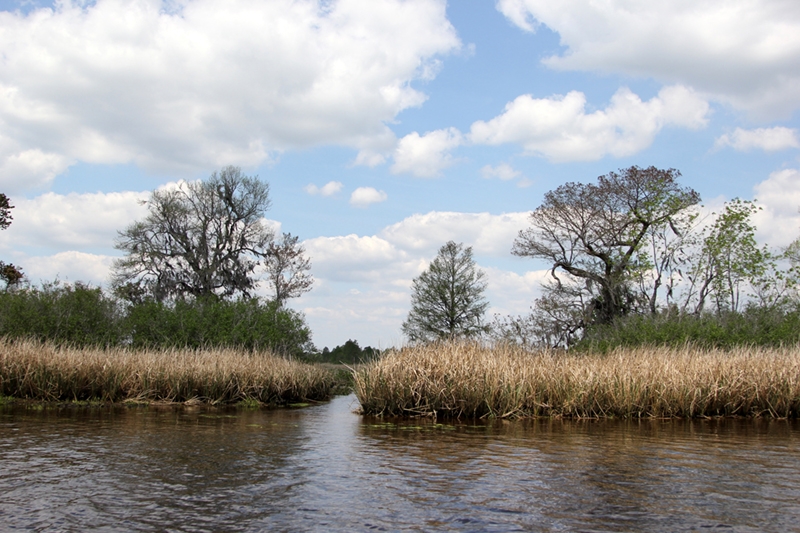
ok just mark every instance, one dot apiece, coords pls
pixel 329 189
pixel 560 129
pixel 29 169
pixel 743 52
pixel 178 87
pixel 365 196
pixel 503 171
pixel 768 139
pixel 68 266
pixel 778 222
pixel 427 155
pixel 488 234
pixel 66 222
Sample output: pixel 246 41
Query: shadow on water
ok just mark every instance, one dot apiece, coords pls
pixel 324 468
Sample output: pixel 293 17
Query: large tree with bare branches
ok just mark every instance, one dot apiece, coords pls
pixel 199 239
pixel 597 233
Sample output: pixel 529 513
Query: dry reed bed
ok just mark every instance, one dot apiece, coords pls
pixel 39 371
pixel 468 380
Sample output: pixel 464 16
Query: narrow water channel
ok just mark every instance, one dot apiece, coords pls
pixel 324 468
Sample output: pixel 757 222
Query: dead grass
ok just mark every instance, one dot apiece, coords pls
pixel 469 380
pixel 34 370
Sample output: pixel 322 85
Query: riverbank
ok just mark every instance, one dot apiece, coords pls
pixel 457 380
pixel 46 372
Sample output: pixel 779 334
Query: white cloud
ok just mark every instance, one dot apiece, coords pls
pixel 768 139
pixel 29 169
pixel 68 266
pixel 364 196
pixel 560 129
pixel 427 155
pixel 67 222
pixel 179 87
pixel 503 171
pixel 778 222
pixel 488 234
pixel 744 52
pixel 329 189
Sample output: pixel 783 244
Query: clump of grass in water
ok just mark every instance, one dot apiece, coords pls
pixel 471 380
pixel 41 371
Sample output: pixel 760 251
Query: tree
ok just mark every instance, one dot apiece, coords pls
pixel 288 269
pixel 729 260
pixel 5 211
pixel 447 299
pixel 597 233
pixel 199 239
pixel 9 273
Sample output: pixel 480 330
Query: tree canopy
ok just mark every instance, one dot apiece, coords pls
pixel 596 232
pixel 447 299
pixel 199 239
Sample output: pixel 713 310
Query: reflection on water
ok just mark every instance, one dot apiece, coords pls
pixel 326 469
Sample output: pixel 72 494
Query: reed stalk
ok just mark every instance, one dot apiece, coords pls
pixel 44 371
pixel 470 380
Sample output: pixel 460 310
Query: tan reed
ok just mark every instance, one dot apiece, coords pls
pixel 41 371
pixel 471 380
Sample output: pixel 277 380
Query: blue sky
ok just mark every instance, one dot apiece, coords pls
pixel 385 127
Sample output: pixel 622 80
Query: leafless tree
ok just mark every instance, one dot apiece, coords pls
pixel 199 239
pixel 288 268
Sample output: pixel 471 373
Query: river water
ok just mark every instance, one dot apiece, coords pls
pixel 324 468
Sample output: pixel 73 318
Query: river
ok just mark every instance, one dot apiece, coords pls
pixel 325 468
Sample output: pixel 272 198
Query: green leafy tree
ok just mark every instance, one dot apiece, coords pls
pixel 730 261
pixel 9 273
pixel 447 299
pixel 200 239
pixel 595 235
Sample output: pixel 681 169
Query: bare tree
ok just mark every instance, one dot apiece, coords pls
pixel 199 239
pixel 597 232
pixel 447 299
pixel 288 269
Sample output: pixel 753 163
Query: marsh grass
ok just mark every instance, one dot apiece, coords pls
pixel 469 380
pixel 44 371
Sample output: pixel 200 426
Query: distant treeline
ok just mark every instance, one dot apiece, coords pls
pixel 349 353
pixel 80 315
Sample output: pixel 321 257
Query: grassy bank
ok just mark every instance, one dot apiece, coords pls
pixel 43 371
pixel 467 380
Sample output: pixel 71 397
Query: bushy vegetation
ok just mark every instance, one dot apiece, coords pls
pixel 57 312
pixel 755 326
pixel 81 316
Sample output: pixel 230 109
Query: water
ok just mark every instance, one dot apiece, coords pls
pixel 324 468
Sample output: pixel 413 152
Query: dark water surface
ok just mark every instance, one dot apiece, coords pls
pixel 326 469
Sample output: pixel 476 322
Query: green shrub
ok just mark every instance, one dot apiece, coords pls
pixel 755 326
pixel 61 313
pixel 250 324
pixel 80 315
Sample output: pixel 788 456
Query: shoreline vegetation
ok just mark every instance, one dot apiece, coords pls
pixel 33 370
pixel 469 380
pixel 447 380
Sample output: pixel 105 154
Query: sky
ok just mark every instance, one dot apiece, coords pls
pixel 385 128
